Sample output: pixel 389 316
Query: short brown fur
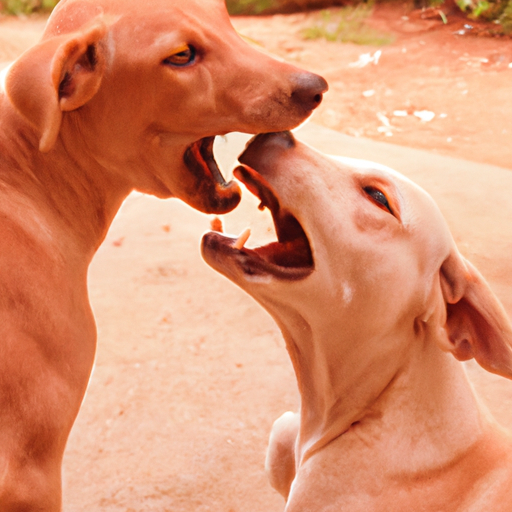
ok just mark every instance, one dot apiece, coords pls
pixel 89 114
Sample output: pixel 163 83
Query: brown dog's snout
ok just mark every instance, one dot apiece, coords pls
pixel 308 90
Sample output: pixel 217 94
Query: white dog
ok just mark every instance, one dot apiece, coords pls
pixel 373 300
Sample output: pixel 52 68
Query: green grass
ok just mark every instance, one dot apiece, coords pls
pixel 27 6
pixel 505 19
pixel 248 6
pixel 347 25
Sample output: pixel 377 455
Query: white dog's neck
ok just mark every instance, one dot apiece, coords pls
pixel 359 407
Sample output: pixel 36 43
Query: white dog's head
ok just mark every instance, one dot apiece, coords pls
pixel 364 261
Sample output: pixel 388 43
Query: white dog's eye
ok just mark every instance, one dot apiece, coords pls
pixel 379 198
pixel 183 56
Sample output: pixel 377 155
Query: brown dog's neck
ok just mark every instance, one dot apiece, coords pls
pixel 71 193
pixel 420 403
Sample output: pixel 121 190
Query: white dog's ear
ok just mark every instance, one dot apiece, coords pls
pixel 57 75
pixel 477 325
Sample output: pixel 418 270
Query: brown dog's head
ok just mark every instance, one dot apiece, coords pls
pixel 144 89
pixel 363 266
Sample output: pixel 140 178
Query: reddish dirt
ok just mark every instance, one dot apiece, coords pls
pixel 462 79
pixel 190 372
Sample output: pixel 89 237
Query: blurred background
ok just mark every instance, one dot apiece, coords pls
pixel 415 73
pixel 490 10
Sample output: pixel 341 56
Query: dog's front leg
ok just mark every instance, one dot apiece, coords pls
pixel 42 390
pixel 280 460
pixel 48 339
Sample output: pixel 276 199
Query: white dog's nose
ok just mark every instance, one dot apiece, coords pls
pixel 262 151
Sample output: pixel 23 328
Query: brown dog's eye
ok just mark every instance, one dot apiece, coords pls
pixel 379 198
pixel 182 57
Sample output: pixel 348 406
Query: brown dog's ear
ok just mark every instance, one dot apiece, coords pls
pixel 477 325
pixel 59 74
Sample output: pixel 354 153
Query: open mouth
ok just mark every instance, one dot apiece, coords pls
pixel 211 192
pixel 290 257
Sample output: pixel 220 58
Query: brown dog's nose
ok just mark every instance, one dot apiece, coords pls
pixel 308 90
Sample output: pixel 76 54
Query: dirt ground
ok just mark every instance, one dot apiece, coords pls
pixel 462 79
pixel 190 373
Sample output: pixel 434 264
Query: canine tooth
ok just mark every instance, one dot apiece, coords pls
pixel 216 225
pixel 240 241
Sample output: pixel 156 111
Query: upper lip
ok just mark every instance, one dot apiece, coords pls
pixel 211 192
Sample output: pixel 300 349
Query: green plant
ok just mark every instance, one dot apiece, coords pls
pixel 347 24
pixel 248 6
pixel 505 18
pixel 26 6
pixel 475 9
pixel 498 11
pixel 48 5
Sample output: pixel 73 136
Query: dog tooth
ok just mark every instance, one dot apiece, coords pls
pixel 240 241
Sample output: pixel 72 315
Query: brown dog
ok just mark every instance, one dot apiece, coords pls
pixel 373 299
pixel 118 96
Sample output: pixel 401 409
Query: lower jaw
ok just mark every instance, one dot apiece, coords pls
pixel 208 191
pixel 221 253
